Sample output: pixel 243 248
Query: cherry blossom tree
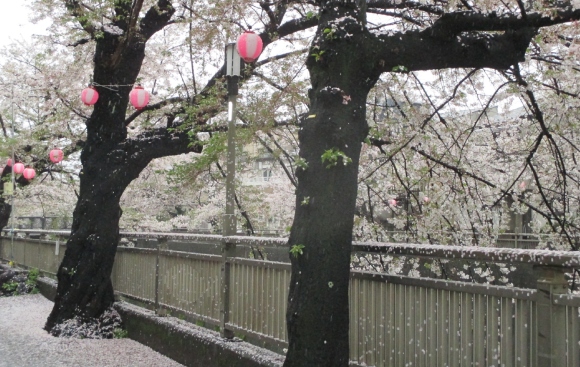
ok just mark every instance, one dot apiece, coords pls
pixel 348 55
pixel 120 143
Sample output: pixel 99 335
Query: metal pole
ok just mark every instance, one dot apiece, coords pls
pixel 230 218
pixel 233 66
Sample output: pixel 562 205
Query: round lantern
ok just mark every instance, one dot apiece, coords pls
pixel 29 173
pixel 392 202
pixel 139 97
pixel 89 96
pixel 9 162
pixel 426 199
pixel 18 168
pixel 249 46
pixel 523 185
pixel 56 155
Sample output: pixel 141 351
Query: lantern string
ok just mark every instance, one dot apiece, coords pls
pixel 113 85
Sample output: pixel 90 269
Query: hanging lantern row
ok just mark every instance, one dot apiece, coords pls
pixel 138 97
pixel 19 169
pixel 55 155
pixel 249 46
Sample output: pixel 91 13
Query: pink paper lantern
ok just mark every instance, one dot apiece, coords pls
pixel 249 46
pixel 392 202
pixel 523 185
pixel 89 96
pixel 426 199
pixel 56 155
pixel 18 168
pixel 29 173
pixel 9 162
pixel 139 97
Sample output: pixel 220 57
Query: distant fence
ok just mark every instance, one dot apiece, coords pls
pixel 395 320
pixel 509 240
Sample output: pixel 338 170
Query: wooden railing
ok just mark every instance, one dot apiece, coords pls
pixel 395 320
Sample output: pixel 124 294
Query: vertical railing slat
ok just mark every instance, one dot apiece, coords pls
pixel 466 317
pixel 507 337
pixel 454 309
pixel 492 331
pixel 432 324
pixel 479 307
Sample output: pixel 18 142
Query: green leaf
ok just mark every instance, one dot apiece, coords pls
pixel 296 250
pixel 332 156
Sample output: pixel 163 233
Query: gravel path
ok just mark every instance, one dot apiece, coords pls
pixel 23 342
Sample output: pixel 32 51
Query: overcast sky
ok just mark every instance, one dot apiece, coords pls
pixel 14 22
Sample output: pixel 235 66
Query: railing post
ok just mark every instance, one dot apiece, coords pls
pixel 161 245
pixel 228 250
pixel 551 343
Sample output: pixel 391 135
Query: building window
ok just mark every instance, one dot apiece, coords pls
pixel 267 174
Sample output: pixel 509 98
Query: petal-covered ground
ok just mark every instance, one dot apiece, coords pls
pixel 23 342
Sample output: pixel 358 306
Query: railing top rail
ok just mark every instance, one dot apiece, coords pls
pixel 7 231
pixel 210 238
pixel 569 259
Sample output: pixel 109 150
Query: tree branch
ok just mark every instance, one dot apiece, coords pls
pixel 497 51
pixel 156 18
pixel 122 10
pixel 405 4
pixel 76 10
pixel 452 24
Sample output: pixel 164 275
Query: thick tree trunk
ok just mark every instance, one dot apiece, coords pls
pixel 110 162
pixel 84 285
pixel 318 312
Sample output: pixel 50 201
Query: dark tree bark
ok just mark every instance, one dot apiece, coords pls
pixel 345 62
pixel 5 207
pixel 317 313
